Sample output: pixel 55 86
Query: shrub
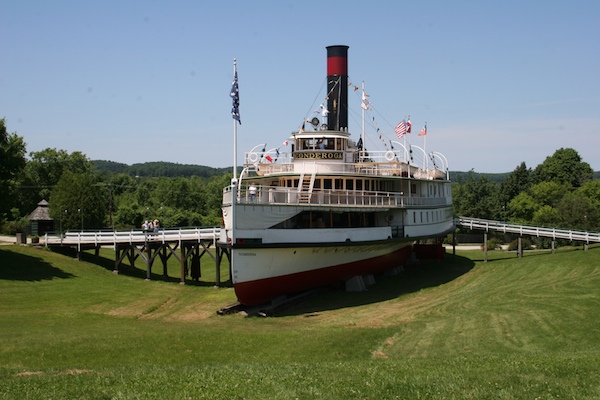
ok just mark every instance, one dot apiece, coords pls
pixel 514 245
pixel 20 225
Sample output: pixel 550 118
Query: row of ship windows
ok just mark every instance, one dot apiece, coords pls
pixel 367 184
pixel 424 217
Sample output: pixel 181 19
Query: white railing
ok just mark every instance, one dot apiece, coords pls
pixel 132 236
pixel 377 163
pixel 323 197
pixel 554 233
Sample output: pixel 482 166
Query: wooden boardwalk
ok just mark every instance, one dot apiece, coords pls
pixel 187 245
pixel 527 230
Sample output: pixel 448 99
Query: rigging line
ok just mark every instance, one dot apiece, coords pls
pixel 314 102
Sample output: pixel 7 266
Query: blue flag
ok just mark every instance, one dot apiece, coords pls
pixel 235 95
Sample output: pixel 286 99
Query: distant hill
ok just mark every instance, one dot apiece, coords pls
pixel 158 168
pixel 169 169
pixel 457 176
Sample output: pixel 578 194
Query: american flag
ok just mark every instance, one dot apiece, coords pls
pixel 235 95
pixel 400 129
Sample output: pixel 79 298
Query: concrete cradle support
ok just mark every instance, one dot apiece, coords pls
pixel 356 284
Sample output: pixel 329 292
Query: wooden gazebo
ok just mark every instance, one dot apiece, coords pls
pixel 40 220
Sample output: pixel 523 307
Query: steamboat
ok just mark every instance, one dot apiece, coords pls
pixel 324 210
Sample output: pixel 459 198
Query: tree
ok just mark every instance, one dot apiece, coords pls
pixel 44 170
pixel 546 216
pixel 12 162
pixel 549 193
pixel 518 181
pixel 522 208
pixel 591 190
pixel 564 166
pixel 79 201
pixel 578 212
pixel 476 198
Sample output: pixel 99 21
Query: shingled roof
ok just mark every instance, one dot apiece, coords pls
pixel 41 213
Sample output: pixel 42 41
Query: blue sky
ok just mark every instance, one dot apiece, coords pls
pixel 498 83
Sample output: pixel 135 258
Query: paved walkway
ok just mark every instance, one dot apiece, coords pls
pixel 11 239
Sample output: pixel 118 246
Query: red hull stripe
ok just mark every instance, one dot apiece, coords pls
pixel 337 66
pixel 263 290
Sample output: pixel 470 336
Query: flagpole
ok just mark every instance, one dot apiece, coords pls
pixel 407 161
pixel 362 107
pixel 235 122
pixel 425 145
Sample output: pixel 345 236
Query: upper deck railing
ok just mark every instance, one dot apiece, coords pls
pixel 377 163
pixel 332 197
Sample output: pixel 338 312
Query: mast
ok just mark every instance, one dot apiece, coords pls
pixel 363 107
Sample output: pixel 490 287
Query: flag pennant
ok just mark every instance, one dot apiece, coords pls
pixel 408 125
pixel 235 96
pixel 424 130
pixel 269 158
pixel 365 101
pixel 400 129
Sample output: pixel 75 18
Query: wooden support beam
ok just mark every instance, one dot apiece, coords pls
pixel 485 247
pixel 182 263
pixel 218 267
pixel 454 242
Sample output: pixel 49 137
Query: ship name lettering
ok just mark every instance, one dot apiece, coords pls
pixel 318 155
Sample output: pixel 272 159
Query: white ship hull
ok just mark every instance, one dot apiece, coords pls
pixel 261 274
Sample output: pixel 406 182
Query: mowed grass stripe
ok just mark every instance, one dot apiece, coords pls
pixel 509 328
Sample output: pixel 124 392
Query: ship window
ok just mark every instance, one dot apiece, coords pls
pixel 414 217
pixel 350 184
pixel 359 184
pixel 317 184
pixel 326 183
pixel 413 188
pixel 338 184
pixel 338 144
pixel 367 184
pixel 421 216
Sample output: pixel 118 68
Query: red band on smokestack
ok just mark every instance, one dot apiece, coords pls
pixel 337 66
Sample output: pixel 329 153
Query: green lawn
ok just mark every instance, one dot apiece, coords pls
pixel 509 328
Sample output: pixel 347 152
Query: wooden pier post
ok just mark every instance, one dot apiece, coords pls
pixel 148 259
pixel 520 248
pixel 117 259
pixel 485 247
pixel 218 267
pixel 454 242
pixel 182 262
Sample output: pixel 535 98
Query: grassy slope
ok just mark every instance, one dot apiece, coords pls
pixel 506 329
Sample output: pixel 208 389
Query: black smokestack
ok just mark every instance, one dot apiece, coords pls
pixel 337 88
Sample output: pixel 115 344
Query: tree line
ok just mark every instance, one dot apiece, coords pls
pixel 559 192
pixel 101 194
pixel 563 191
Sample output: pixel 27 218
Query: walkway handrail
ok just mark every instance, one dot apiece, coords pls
pixel 505 227
pixel 130 236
